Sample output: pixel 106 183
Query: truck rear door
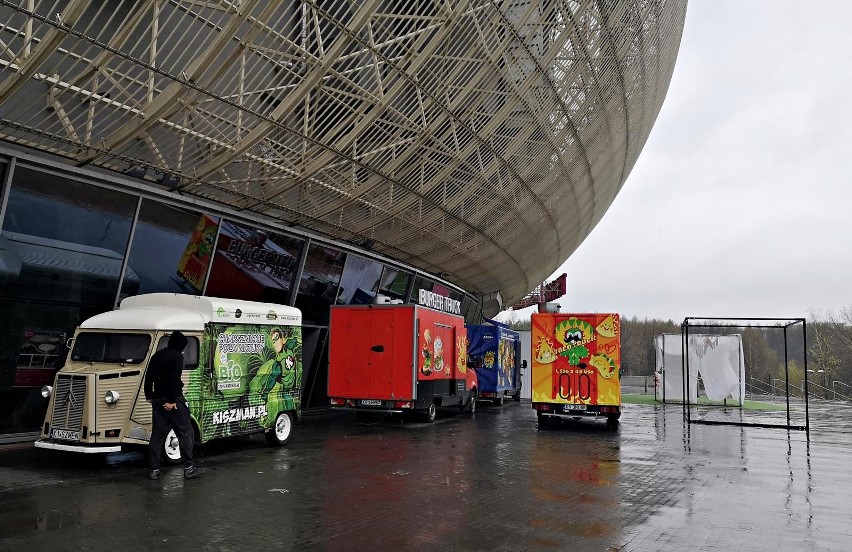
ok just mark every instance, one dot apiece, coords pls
pixel 370 355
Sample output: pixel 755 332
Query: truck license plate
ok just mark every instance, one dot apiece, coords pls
pixel 65 434
pixel 371 402
pixel 570 407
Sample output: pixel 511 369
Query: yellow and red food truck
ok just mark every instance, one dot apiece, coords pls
pixel 576 366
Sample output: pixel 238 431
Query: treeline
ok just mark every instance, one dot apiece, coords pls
pixel 829 348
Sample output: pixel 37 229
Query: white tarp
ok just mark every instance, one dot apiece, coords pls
pixel 717 359
pixel 670 369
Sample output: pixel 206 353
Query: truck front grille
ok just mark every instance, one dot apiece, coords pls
pixel 69 400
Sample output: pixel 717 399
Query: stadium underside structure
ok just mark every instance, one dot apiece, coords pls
pixel 480 141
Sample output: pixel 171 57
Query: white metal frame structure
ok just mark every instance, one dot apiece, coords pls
pixel 478 140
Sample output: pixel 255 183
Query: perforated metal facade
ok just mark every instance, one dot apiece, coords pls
pixel 478 140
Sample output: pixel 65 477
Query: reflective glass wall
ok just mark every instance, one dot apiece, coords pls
pixel 64 243
pixel 320 282
pixel 253 264
pixel 170 251
pixel 73 245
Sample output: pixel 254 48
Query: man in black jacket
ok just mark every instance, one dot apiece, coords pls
pixel 169 410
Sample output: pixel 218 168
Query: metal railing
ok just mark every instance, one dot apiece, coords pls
pixel 818 391
pixel 643 385
pixel 759 387
pixel 847 396
pixel 839 390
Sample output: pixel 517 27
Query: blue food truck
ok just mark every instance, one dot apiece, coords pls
pixel 494 351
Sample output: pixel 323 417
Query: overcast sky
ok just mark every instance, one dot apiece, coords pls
pixel 740 204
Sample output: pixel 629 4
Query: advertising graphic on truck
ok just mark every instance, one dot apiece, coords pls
pixel 494 352
pixel 576 365
pixel 254 376
pixel 399 358
pixel 242 373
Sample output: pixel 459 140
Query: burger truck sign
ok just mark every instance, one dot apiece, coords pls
pixel 438 302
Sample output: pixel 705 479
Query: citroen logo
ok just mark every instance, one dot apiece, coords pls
pixel 69 399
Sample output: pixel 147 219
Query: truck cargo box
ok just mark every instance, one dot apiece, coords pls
pixel 576 365
pixel 494 353
pixel 398 358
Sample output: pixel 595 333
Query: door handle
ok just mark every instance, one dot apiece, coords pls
pixel 378 348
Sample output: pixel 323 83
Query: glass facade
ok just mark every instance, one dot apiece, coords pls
pixel 171 249
pixel 65 243
pixel 253 264
pixel 360 281
pixel 419 283
pixel 320 283
pixel 394 283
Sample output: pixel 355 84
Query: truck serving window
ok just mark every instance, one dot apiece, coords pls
pixel 190 354
pixel 123 348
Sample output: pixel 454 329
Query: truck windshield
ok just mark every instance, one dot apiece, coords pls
pixel 122 348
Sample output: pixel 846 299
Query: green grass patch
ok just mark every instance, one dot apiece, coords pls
pixel 748 405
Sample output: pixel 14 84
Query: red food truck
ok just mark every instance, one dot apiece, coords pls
pixel 399 358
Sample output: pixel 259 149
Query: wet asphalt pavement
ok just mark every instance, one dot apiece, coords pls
pixel 492 482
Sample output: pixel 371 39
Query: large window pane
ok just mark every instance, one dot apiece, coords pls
pixel 419 283
pixel 63 244
pixel 360 281
pixel 171 250
pixel 471 310
pixel 394 283
pixel 56 208
pixel 253 264
pixel 320 280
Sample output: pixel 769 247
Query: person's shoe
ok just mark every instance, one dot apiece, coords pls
pixel 153 475
pixel 192 472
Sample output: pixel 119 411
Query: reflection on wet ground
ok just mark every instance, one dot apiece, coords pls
pixel 492 482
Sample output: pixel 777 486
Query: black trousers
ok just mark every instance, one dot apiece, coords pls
pixel 163 421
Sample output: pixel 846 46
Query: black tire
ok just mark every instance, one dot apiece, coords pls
pixel 280 432
pixel 471 403
pixel 498 401
pixel 543 421
pixel 612 422
pixel 517 397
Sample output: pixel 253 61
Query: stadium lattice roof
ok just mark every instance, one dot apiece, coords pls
pixel 481 140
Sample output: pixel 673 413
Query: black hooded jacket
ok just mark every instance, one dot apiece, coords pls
pixel 162 381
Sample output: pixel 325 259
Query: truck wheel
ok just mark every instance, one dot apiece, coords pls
pixel 498 401
pixel 517 397
pixel 172 448
pixel 612 422
pixel 279 433
pixel 542 420
pixel 471 404
pixel 430 414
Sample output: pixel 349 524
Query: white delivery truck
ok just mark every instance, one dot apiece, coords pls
pixel 243 372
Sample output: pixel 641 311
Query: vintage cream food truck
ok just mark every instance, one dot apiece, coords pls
pixel 243 371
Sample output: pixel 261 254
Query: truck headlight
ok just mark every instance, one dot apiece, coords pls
pixel 111 397
pixel 46 391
